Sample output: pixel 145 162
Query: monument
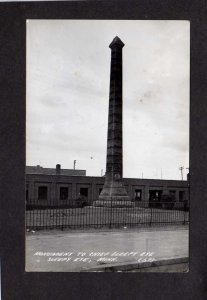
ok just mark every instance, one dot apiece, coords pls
pixel 114 193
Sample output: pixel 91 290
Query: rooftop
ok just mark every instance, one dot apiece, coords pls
pixel 54 171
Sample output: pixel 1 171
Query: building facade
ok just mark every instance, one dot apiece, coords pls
pixel 55 187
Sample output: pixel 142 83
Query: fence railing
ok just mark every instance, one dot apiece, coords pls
pixel 76 214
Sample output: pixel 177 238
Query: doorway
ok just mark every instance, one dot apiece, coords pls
pixel 84 193
pixel 155 198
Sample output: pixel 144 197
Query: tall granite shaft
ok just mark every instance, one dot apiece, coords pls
pixel 113 192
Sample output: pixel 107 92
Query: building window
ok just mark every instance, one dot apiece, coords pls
pixel 138 195
pixel 84 193
pixel 42 193
pixel 154 198
pixel 63 193
pixel 181 196
pixel 155 195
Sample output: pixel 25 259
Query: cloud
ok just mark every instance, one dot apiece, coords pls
pixel 68 71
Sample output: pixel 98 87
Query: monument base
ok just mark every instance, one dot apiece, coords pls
pixel 115 201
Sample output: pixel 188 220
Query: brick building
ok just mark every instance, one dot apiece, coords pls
pixel 58 186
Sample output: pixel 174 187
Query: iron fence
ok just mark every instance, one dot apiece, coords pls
pixel 75 214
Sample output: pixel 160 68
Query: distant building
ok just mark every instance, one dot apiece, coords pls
pixel 54 171
pixel 56 186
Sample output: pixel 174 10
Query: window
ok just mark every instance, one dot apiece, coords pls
pixel 154 198
pixel 155 195
pixel 181 195
pixel 138 195
pixel 84 192
pixel 63 193
pixel 42 193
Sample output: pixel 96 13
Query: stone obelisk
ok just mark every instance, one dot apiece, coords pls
pixel 114 193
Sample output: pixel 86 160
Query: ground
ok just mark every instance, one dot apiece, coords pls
pixel 92 250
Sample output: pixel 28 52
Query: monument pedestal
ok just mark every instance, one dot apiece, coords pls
pixel 113 194
pixel 114 203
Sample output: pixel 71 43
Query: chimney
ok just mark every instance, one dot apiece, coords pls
pixel 58 169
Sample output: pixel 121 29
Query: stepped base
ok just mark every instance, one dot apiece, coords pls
pixel 116 201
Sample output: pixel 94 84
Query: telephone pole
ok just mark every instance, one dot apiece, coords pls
pixel 188 175
pixel 181 170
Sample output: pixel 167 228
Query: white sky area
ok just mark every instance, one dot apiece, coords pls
pixel 68 73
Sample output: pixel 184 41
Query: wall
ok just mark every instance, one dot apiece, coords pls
pixel 94 184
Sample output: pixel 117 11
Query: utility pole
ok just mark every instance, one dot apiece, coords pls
pixel 181 170
pixel 188 175
pixel 74 163
pixel 188 179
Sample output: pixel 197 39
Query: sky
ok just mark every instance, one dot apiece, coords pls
pixel 68 72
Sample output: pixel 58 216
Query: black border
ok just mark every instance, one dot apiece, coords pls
pixel 16 283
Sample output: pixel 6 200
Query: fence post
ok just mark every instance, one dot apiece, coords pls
pixel 184 210
pixel 150 216
pixel 110 214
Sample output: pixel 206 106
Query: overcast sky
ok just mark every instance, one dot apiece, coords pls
pixel 68 72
